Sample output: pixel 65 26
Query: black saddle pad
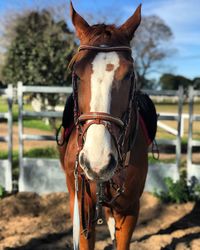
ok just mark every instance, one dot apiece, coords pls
pixel 146 109
pixel 148 112
pixel 68 113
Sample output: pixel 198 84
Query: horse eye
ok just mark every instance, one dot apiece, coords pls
pixel 128 76
pixel 78 78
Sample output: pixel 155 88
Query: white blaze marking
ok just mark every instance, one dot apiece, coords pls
pixel 101 81
pixel 97 146
pixel 111 227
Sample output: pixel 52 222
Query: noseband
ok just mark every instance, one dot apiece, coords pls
pixel 102 118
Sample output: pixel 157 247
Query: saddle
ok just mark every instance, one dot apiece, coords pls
pixel 147 116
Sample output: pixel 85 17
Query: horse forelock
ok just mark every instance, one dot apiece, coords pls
pixel 98 35
pixel 105 34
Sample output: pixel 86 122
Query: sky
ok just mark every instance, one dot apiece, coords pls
pixel 182 16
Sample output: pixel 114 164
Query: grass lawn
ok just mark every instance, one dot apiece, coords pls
pixel 37 124
pixel 28 122
pixel 173 108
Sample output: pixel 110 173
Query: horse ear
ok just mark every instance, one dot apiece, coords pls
pixel 130 26
pixel 81 26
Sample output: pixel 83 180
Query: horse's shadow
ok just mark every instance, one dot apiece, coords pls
pixel 47 242
pixel 52 241
pixel 185 239
pixel 190 220
pixel 59 241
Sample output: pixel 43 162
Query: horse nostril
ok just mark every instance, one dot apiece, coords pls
pixel 81 159
pixel 84 161
pixel 112 162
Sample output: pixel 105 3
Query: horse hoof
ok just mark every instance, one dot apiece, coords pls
pixel 111 246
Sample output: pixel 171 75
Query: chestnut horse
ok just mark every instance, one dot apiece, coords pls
pixel 105 157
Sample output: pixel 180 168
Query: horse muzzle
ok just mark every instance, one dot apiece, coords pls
pixel 98 149
pixel 103 170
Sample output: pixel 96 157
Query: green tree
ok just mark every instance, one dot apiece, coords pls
pixel 170 81
pixel 39 53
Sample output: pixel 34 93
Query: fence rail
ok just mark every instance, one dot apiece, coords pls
pixel 42 175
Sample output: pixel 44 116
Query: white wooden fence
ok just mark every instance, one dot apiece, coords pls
pixel 37 174
pixel 45 175
pixel 158 171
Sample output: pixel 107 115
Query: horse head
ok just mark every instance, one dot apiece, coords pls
pixel 104 71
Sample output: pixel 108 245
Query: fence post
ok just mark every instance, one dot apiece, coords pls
pixel 189 148
pixel 180 110
pixel 6 165
pixel 193 168
pixel 10 139
pixel 20 131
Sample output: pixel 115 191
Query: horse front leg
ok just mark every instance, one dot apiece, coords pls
pixel 86 214
pixel 124 227
pixel 86 243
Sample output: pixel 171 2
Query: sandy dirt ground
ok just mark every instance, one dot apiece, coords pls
pixel 32 222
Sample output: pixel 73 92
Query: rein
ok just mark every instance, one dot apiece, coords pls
pixel 83 122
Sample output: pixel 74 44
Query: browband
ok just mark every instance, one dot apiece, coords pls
pixel 104 48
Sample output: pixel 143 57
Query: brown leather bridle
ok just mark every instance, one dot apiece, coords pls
pixel 83 122
pixel 105 119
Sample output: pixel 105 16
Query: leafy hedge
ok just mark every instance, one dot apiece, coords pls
pixel 180 191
